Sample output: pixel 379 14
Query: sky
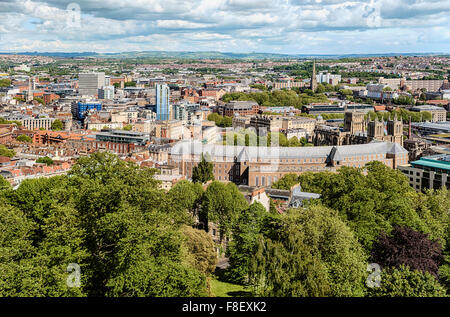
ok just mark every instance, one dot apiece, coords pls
pixel 239 26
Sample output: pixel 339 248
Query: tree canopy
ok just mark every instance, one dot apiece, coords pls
pixel 308 252
pixel 57 125
pixel 112 219
pixel 203 172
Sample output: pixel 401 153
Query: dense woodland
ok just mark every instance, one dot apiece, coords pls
pixel 132 239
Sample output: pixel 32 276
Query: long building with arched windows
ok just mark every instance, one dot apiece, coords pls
pixel 262 166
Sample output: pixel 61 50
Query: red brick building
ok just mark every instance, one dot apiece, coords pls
pixel 243 108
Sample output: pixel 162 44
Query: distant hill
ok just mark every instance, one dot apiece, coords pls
pixel 210 55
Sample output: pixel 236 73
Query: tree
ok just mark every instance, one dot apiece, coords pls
pixel 130 84
pixel 5 82
pixel 39 100
pixel 109 216
pixel 45 160
pixel 244 244
pixel 201 248
pixel 286 182
pixel 186 196
pixel 132 232
pixel 303 141
pixel 371 203
pixel 57 125
pixel 294 142
pixel 222 205
pixel 24 138
pixel 203 172
pixel 320 89
pixel 405 246
pixel 226 122
pixel 276 139
pixel 403 282
pixel 36 266
pixel 4 151
pixel 4 184
pixel 308 252
pixel 128 127
pixel 346 92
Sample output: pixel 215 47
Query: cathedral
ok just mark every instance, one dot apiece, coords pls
pixel 358 131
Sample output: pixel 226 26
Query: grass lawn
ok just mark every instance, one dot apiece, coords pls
pixel 223 289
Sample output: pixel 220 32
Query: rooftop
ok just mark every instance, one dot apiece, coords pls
pixel 243 153
pixel 441 161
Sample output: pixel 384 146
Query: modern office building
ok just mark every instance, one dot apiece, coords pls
pixel 430 172
pixel 90 83
pixel 163 112
pixel 106 92
pixel 125 137
pixel 79 109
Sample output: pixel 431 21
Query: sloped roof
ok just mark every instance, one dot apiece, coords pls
pixel 243 153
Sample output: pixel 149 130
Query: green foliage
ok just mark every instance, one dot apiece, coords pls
pixel 110 217
pixel 320 89
pixel 45 160
pixel 57 125
pixel 294 142
pixel 5 82
pixel 248 137
pixel 203 172
pixel 130 84
pixel 243 247
pixel 404 100
pixel 4 121
pixel 40 100
pixel 24 138
pixel 224 122
pixel 186 197
pixel 4 151
pixel 401 282
pixel 222 204
pixel 373 203
pixel 308 252
pixel 286 182
pixel 346 92
pixel 200 247
pixel 128 127
pixel 286 98
pixel 4 184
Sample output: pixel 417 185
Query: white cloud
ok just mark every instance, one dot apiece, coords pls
pixel 292 26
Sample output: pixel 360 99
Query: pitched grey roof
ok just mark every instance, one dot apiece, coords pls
pixel 243 153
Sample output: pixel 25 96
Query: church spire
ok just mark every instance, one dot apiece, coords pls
pixel 313 77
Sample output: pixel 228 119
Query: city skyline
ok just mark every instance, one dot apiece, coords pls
pixel 237 26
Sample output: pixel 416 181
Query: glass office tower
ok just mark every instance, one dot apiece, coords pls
pixel 162 102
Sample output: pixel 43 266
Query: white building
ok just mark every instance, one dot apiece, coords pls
pixel 328 78
pixel 106 92
pixel 90 83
